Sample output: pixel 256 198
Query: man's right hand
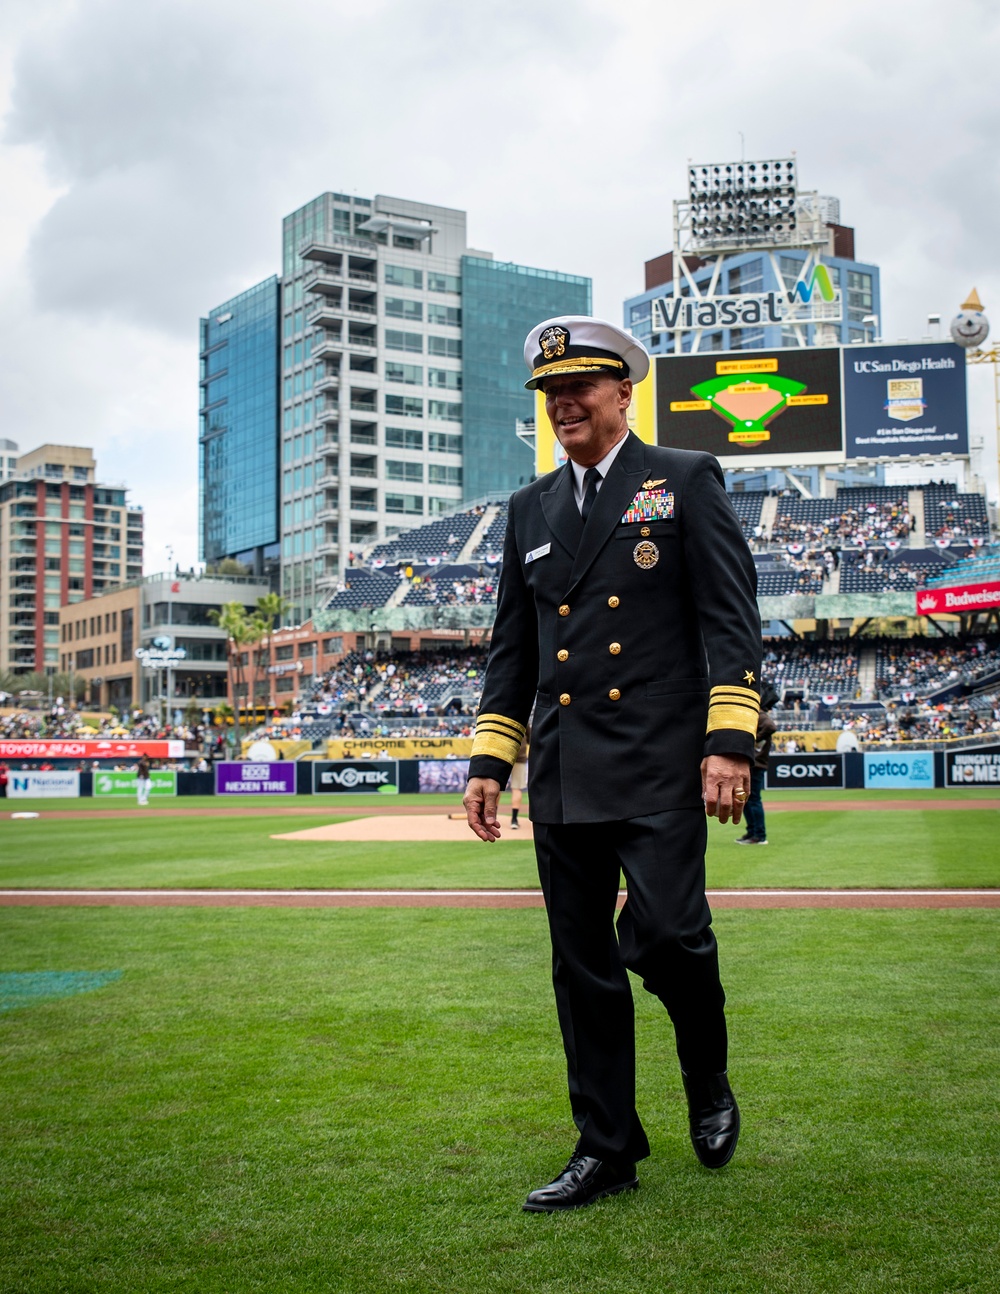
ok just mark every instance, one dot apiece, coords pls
pixel 480 801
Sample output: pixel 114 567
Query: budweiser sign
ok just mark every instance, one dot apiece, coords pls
pixel 88 748
pixel 957 598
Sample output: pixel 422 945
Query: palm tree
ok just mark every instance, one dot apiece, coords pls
pixel 271 608
pixel 241 631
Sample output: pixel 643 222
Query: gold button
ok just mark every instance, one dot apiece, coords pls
pixel 615 648
pixel 564 610
pixel 644 532
pixel 562 655
pixel 612 602
pixel 565 698
pixel 614 695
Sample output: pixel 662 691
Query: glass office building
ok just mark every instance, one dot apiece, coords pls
pixel 238 437
pixel 501 303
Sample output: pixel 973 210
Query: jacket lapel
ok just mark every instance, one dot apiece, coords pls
pixel 619 489
pixel 562 516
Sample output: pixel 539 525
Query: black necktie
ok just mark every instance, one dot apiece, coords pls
pixel 590 478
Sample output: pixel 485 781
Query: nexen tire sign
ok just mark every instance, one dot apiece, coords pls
pixel 805 770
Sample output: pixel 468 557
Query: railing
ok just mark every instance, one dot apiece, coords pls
pixel 364 406
pixel 362 276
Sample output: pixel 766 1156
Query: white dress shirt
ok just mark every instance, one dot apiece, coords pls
pixel 579 488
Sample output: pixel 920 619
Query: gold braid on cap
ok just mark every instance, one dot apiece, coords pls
pixel 574 362
pixel 733 708
pixel 499 736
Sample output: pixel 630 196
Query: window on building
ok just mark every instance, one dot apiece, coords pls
pixel 404 277
pixel 397 470
pixel 444 346
pixel 438 282
pixel 409 374
pixel 403 438
pixel 444 410
pixel 439 474
pixel 408 341
pixel 859 295
pixel 333 646
pixel 400 308
pixel 411 504
pixel 450 379
pixel 747 278
pixel 436 506
pixel 450 315
pixel 406 406
pixel 443 442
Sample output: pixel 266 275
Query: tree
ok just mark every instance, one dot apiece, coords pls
pixel 241 631
pixel 271 608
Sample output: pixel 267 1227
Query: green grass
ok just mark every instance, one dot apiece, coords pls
pixel 343 1100
pixel 828 847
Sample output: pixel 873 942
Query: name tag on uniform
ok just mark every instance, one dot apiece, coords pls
pixel 538 552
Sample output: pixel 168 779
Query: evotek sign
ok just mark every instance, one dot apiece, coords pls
pixel 676 312
pixel 332 778
pixel 824 770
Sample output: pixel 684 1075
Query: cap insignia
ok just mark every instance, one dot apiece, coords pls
pixel 553 342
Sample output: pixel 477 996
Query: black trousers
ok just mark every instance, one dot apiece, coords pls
pixel 663 934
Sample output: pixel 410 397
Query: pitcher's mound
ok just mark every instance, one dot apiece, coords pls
pixel 405 827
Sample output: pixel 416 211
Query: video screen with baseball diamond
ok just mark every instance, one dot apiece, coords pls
pixel 742 404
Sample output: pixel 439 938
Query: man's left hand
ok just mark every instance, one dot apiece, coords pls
pixel 721 777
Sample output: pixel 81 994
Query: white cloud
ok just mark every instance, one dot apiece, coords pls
pixel 150 151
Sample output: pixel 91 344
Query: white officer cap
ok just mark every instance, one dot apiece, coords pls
pixel 579 344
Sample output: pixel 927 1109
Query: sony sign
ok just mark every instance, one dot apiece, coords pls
pixel 826 770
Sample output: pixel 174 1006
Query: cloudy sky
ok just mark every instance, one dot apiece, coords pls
pixel 149 150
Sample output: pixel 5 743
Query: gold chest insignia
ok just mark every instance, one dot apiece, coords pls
pixel 553 342
pixel 651 485
pixel 645 555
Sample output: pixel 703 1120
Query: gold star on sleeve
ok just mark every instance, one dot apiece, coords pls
pixel 748 676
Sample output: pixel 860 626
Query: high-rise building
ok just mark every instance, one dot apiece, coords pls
pixel 399 386
pixel 238 438
pixel 501 303
pixel 8 458
pixel 63 538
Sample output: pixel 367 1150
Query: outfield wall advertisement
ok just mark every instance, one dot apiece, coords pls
pixel 255 779
pixel 954 599
pixel 162 781
pixel 973 767
pixel 28 784
pixel 88 748
pixel 816 771
pixel 914 770
pixel 906 399
pixel 338 777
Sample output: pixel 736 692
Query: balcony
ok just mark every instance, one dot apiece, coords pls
pixel 329 345
pixel 327 546
pixel 330 284
pixel 328 480
pixel 328 385
pixel 325 316
pixel 361 339
pixel 368 308
pixel 322 253
pixel 328 514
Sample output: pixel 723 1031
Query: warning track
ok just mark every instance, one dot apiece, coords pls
pixel 792 898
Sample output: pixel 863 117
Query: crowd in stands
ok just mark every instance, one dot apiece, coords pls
pixel 62 722
pixel 820 521
pixel 822 668
pixel 426 590
pixel 924 721
pixel 909 667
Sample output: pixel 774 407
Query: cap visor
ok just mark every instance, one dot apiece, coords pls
pixel 535 383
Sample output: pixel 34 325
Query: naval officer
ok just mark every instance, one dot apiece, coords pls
pixel 626 616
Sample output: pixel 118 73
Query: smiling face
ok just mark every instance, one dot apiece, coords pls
pixel 587 412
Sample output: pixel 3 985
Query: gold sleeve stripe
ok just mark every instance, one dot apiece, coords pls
pixel 498 736
pixel 734 692
pixel 742 718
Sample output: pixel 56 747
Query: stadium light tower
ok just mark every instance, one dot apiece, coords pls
pixel 735 207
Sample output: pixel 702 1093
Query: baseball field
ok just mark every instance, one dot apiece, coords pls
pixel 251 1096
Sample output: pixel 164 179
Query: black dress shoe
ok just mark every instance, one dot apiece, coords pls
pixel 581 1182
pixel 714 1117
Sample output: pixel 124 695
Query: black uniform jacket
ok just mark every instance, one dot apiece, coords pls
pixel 636 640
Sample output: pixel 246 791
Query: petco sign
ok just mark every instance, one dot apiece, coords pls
pixel 974 767
pixel 356 775
pixel 915 769
pixel 825 771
